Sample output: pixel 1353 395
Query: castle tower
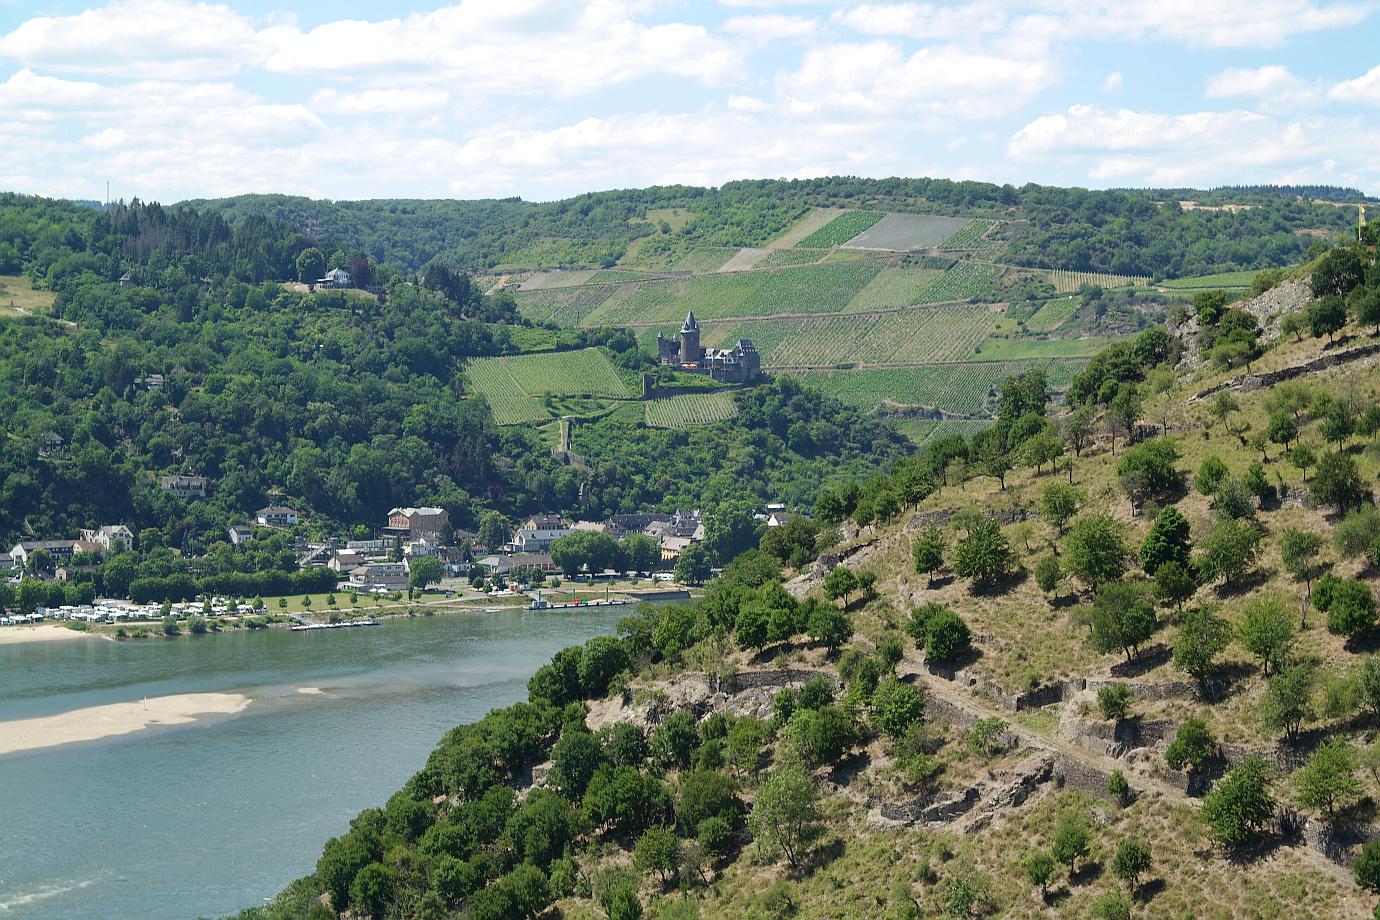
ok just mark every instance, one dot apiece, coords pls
pixel 690 340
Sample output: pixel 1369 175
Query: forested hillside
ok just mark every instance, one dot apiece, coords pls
pixel 1112 660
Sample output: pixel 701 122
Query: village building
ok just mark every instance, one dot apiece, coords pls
pixel 739 364
pixel 58 550
pixel 391 575
pixel 112 538
pixel 345 560
pixel 240 533
pixel 414 523
pixel 276 516
pixel 537 534
pixel 518 562
pixel 50 444
pixel 184 486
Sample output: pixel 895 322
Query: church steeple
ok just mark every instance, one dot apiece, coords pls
pixel 690 325
pixel 690 351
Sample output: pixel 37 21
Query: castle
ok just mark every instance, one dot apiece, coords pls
pixel 739 364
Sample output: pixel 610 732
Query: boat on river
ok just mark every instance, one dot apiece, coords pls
pixel 343 624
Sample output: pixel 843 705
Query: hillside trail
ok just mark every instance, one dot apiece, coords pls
pixel 982 709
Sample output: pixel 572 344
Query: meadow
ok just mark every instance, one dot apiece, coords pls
pixel 564 306
pixel 526 388
pixel 1052 315
pixel 689 410
pixel 910 336
pixel 1222 280
pixel 894 287
pixel 17 296
pixel 957 389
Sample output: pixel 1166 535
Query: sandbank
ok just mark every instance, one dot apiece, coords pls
pixel 115 719
pixel 41 632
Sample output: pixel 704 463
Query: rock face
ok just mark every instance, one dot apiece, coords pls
pixel 1268 309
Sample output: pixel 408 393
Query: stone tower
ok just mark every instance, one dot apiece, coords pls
pixel 690 340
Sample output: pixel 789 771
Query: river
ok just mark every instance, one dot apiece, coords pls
pixel 203 820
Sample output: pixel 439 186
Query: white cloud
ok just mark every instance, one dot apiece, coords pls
pixel 1211 23
pixel 1113 82
pixel 1365 88
pixel 745 104
pixel 770 26
pixel 879 78
pixel 410 100
pixel 1273 86
pixel 164 39
pixel 923 20
pixel 1086 127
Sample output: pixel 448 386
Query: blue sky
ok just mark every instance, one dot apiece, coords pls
pixel 169 99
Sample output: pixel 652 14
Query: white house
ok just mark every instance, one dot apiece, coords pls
pixel 336 278
pixel 240 533
pixel 184 486
pixel 276 516
pixel 379 575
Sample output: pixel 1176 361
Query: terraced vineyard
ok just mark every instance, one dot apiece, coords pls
pixel 1222 281
pixel 512 385
pixel 564 306
pixel 689 410
pixel 704 259
pixel 840 230
pixel 939 334
pixel 1066 282
pixel 957 389
pixel 824 288
pixel 783 258
pixel 965 281
pixel 895 287
pixel 569 373
pixel 1052 315
pixel 970 236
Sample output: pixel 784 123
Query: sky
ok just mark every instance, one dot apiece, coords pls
pixel 168 99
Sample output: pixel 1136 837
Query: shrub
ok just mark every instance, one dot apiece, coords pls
pixel 984 555
pixel 1167 541
pixel 898 707
pixel 1350 608
pixel 1048 572
pixel 1118 788
pixel 1367 868
pixel 1240 804
pixel 1193 744
pixel 947 637
pixel 1070 840
pixel 1113 700
pixel 1211 474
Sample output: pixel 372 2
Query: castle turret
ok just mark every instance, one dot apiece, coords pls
pixel 690 340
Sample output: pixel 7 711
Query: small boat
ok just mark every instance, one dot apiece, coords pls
pixel 542 604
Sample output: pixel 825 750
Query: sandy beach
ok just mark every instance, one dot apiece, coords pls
pixel 115 719
pixel 41 632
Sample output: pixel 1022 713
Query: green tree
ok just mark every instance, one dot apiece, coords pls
pixel 1240 804
pixel 1095 549
pixel 1350 609
pixel 311 265
pixel 1132 861
pixel 1326 317
pixel 1282 429
pixel 1337 481
pixel 530 890
pixel 574 761
pixel 898 707
pixel 947 636
pixel 1229 550
pixel 494 530
pixel 423 572
pixel 928 551
pixel 1147 470
pixel 827 625
pixel 1192 746
pixel 1367 868
pixel 694 565
pixel 1122 618
pixel 1174 584
pixel 1267 630
pixel 1123 412
pixel 731 528
pixel 840 583
pixel 1328 781
pixel 1203 635
pixel 1298 551
pixel 1048 572
pixel 657 850
pixel 785 816
pixel 984 555
pixel 601 659
pixel 642 552
pixel 1059 503
pixel 1039 868
pixel 1070 842
pixel 1288 700
pixel 1212 472
pixel 1113 700
pixel 1167 541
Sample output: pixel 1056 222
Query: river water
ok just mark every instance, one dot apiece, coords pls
pixel 203 820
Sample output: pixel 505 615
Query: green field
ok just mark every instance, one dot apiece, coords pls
pixel 1052 315
pixel 840 230
pixel 958 389
pixel 703 259
pixel 17 296
pixel 564 306
pixel 1221 281
pixel 965 281
pixel 689 410
pixel 910 336
pixel 824 288
pixel 1021 349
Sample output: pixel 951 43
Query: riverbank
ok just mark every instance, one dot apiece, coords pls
pixel 115 719
pixel 42 632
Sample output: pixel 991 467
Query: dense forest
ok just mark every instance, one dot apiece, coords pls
pixel 1123 232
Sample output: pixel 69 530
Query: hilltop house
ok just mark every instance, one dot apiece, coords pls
pixel 415 523
pixel 59 550
pixel 739 364
pixel 276 516
pixel 240 533
pixel 336 278
pixel 537 534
